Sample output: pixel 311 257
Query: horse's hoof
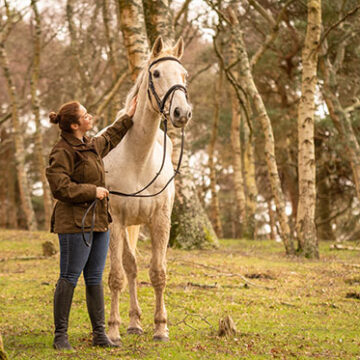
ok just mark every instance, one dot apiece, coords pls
pixel 116 340
pixel 135 331
pixel 161 338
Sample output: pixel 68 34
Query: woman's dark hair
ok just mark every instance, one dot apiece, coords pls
pixel 68 114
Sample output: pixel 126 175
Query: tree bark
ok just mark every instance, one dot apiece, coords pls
pixel 24 190
pixel 215 208
pixel 305 221
pixel 237 163
pixel 191 227
pixel 269 149
pixel 39 150
pixel 158 19
pixel 250 182
pixel 134 31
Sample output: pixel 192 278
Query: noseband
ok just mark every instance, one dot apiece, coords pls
pixel 164 115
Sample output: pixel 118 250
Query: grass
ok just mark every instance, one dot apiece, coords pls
pixel 291 308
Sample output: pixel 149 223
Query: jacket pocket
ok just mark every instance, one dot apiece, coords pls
pixel 79 211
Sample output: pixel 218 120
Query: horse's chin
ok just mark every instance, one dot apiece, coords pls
pixel 179 123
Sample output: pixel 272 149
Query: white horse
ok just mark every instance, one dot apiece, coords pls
pixel 131 166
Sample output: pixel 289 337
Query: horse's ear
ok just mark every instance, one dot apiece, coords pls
pixel 158 46
pixel 178 49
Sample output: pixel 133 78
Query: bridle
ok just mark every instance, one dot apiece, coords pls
pixel 164 117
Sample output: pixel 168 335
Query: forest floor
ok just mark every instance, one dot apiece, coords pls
pixel 283 308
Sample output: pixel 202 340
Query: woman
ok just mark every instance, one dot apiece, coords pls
pixel 77 177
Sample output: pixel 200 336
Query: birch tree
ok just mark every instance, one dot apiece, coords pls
pixel 24 188
pixel 134 32
pixel 215 208
pixel 250 89
pixel 305 222
pixel 34 80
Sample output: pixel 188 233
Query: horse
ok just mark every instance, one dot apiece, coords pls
pixel 129 167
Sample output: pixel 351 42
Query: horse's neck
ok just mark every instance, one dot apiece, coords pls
pixel 143 135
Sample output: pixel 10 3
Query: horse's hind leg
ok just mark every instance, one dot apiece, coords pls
pixel 160 229
pixel 130 266
pixel 117 279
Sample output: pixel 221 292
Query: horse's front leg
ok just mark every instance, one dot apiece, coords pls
pixel 159 229
pixel 117 279
pixel 130 266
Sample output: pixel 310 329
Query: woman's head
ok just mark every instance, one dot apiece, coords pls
pixel 71 117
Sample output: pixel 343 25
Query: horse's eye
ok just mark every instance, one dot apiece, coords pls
pixel 156 74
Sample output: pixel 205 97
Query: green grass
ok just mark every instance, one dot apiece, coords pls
pixel 296 309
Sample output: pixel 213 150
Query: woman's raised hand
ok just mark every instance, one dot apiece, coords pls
pixel 101 193
pixel 132 108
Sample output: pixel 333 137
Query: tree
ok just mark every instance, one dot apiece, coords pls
pixel 305 222
pixel 250 90
pixel 24 189
pixel 34 80
pixel 215 209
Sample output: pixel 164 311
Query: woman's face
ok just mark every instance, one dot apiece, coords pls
pixel 85 120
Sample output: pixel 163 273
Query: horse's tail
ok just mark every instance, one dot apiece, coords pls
pixel 133 232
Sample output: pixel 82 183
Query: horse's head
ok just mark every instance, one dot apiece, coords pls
pixel 167 82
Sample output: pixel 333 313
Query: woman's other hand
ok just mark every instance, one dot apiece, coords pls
pixel 101 193
pixel 132 108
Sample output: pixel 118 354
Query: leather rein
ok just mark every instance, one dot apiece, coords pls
pixel 161 108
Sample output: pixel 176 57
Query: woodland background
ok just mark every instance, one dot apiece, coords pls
pixel 247 63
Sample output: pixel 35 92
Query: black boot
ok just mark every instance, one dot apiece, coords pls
pixel 95 305
pixel 62 303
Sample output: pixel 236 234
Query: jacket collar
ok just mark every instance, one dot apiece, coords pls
pixel 74 141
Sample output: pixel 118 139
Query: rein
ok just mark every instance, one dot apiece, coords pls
pixel 161 109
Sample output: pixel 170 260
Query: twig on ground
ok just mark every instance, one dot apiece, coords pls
pixel 343 247
pixel 203 286
pixel 24 258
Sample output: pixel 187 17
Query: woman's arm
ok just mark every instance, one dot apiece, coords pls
pixel 114 133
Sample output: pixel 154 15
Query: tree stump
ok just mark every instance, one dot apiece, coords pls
pixel 48 248
pixel 227 326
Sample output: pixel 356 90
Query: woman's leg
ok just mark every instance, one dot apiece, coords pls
pixel 73 257
pixel 93 272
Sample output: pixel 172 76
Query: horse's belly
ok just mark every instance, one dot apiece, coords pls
pixel 138 211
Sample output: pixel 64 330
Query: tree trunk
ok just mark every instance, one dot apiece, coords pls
pixel 24 190
pixel 39 151
pixel 237 163
pixel 305 221
pixel 158 18
pixel 250 182
pixel 191 227
pixel 215 209
pixel 272 222
pixel 134 32
pixel 269 149
pixel 323 208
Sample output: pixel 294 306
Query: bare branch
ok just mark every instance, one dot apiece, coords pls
pixel 263 12
pixel 181 11
pixel 332 27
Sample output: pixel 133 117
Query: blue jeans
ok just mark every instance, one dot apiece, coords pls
pixel 76 257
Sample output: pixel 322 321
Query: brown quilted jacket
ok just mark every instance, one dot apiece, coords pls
pixel 75 170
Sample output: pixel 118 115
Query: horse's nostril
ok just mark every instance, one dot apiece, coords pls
pixel 189 114
pixel 177 112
